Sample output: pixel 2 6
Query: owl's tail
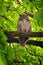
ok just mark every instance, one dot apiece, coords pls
pixel 23 41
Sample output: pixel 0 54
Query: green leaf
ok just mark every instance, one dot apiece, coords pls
pixel 3 60
pixel 10 54
pixel 39 17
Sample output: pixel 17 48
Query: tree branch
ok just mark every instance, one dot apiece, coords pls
pixel 12 34
pixel 23 34
pixel 30 42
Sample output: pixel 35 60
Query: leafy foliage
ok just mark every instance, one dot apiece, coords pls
pixel 10 11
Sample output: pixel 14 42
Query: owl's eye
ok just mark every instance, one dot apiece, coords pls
pixel 20 29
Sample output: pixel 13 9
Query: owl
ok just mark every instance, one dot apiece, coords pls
pixel 23 26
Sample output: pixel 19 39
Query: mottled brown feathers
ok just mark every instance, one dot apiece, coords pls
pixel 23 26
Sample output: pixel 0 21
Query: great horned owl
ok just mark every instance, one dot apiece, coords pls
pixel 23 26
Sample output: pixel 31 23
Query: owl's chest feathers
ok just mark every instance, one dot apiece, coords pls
pixel 24 25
